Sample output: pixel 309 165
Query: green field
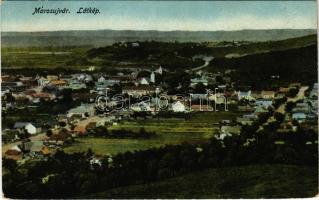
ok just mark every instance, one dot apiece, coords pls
pixel 44 57
pixel 199 128
pixel 261 181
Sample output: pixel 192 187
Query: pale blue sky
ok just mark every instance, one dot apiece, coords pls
pixel 164 15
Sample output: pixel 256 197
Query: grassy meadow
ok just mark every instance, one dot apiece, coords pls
pixel 199 128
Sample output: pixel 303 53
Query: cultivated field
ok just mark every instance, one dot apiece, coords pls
pixel 199 128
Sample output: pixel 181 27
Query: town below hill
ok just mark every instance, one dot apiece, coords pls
pixel 84 121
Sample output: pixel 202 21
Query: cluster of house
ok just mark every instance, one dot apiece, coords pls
pixel 305 110
pixel 34 90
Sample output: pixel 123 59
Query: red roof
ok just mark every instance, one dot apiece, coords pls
pixel 13 152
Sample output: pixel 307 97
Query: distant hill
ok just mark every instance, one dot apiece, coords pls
pixel 266 181
pixel 99 38
pixel 295 64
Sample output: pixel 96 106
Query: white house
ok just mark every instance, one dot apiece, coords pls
pixel 135 44
pixel 244 95
pixel 101 79
pixel 43 81
pixel 143 81
pixel 31 128
pixel 221 136
pixel 178 107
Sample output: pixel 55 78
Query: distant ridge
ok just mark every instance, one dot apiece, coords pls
pixel 106 37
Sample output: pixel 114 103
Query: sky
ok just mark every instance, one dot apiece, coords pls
pixel 163 15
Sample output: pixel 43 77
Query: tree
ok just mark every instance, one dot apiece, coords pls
pixel 292 92
pixel 49 133
pixel 279 117
pixel 289 106
pixel 143 74
pixel 62 124
pixel 10 164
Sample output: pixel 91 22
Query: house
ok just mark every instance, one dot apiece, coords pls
pixel 135 44
pixel 101 79
pixel 302 107
pixel 36 146
pixel 76 85
pixel 230 130
pixel 52 77
pixel 222 136
pixel 263 102
pixel 103 84
pixel 138 90
pixel 161 103
pixel 58 83
pixel 66 77
pixel 143 81
pixel 260 109
pixel 195 81
pixel 256 95
pixel 84 97
pixel 141 106
pixel 82 77
pixel 225 121
pixel 219 98
pixel 244 95
pixel 300 117
pixel 29 127
pixel 195 97
pixel 245 108
pixel 13 86
pixel 280 95
pixel 14 153
pixel 43 95
pixel 178 107
pixel 268 94
pixel 314 92
pixel 59 138
pixel 199 107
pixel 251 116
pixel 283 90
pixel 244 121
pixel 95 162
pixel 42 81
pixel 27 81
pixel 82 111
